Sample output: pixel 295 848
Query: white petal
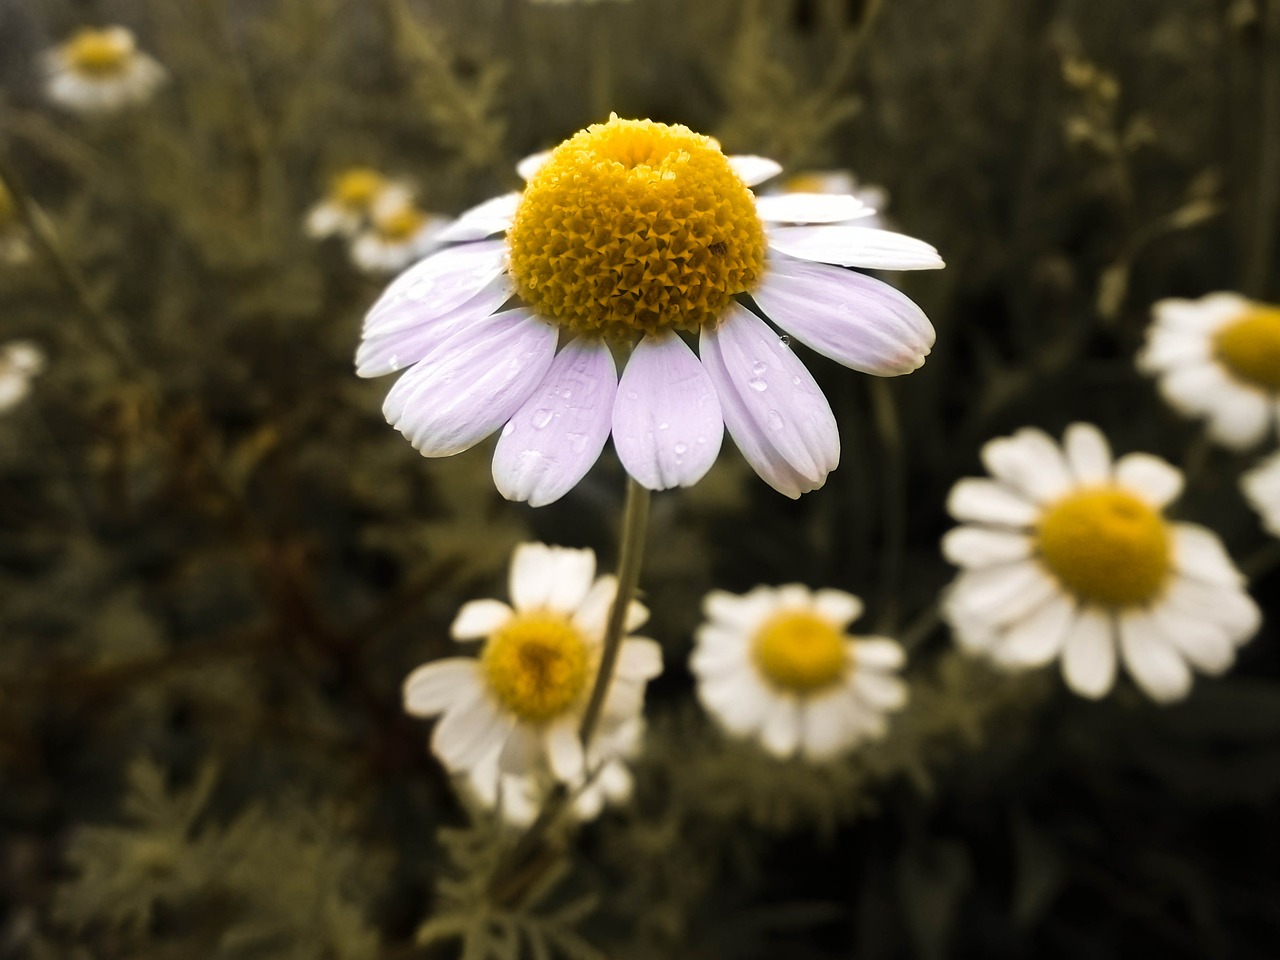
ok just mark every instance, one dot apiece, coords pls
pixel 479 618
pixel 773 408
pixel 667 425
pixel 556 436
pixel 781 732
pixel 1169 349
pixel 739 701
pixel 753 170
pixel 829 725
pixel 384 353
pixel 867 247
pixel 811 208
pixel 1037 638
pixel 435 286
pixel 1089 654
pixel 472 384
pixel 998 595
pixel 436 686
pixel 1241 417
pixel 1206 646
pixel 564 750
pixel 1193 389
pixel 468 732
pixel 553 578
pixel 639 659
pixel 1029 462
pixel 1229 607
pixel 743 612
pixel 1151 478
pixel 1152 660
pixel 1199 554
pixel 973 546
pixel 531 164
pixel 1088 454
pixel 483 220
pixel 985 501
pixel 592 614
pixel 838 607
pixel 878 653
pixel 880 691
pixel 854 319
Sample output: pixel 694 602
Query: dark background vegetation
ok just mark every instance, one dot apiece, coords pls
pixel 217 562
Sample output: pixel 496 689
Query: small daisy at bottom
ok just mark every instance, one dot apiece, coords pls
pixel 520 703
pixel 777 664
pixel 1068 554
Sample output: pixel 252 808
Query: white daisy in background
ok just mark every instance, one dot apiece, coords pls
pixel 14 248
pixel 100 71
pixel 1261 487
pixel 778 665
pixel 397 234
pixel 1218 358
pixel 1067 554
pixel 875 198
pixel 524 696
pixel 348 204
pixel 20 362
pixel 639 234
pixel 606 780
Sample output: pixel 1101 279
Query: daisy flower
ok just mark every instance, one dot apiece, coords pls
pixel 606 779
pixel 524 696
pixel 1066 553
pixel 1218 358
pixel 1261 487
pixel 777 664
pixel 639 234
pixel 100 71
pixel 20 362
pixel 398 233
pixel 874 198
pixel 348 204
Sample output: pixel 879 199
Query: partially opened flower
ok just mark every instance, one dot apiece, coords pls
pixel 778 664
pixel 639 234
pixel 1261 487
pixel 100 71
pixel 524 696
pixel 398 233
pixel 1067 554
pixel 20 362
pixel 1218 358
pixel 348 204
pixel 606 779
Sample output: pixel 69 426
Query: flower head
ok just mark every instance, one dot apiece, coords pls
pixel 777 664
pixel 524 696
pixel 349 201
pixel 1218 358
pixel 398 232
pixel 1261 487
pixel 100 71
pixel 1067 554
pixel 20 362
pixel 636 235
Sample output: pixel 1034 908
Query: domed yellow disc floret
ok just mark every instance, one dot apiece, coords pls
pixel 1250 346
pixel 799 651
pixel 357 187
pixel 100 52
pixel 536 665
pixel 634 226
pixel 1106 546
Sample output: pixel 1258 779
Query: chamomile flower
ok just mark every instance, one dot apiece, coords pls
pixel 100 71
pixel 874 198
pixel 777 664
pixel 640 234
pixel 1218 358
pixel 1261 487
pixel 1067 554
pixel 606 778
pixel 348 204
pixel 524 696
pixel 397 234
pixel 20 362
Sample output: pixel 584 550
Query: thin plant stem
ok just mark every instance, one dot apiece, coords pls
pixel 1267 193
pixel 889 430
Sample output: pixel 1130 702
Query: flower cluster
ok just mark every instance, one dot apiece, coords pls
pixel 378 216
pixel 101 71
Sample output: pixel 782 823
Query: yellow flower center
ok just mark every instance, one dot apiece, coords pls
pixel 357 187
pixel 634 226
pixel 537 665
pixel 1250 347
pixel 1106 546
pixel 100 52
pixel 799 651
pixel 401 224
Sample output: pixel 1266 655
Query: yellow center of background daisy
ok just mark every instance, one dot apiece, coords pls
pixel 634 226
pixel 401 224
pixel 356 188
pixel 1250 347
pixel 99 52
pixel 1106 546
pixel 800 651
pixel 536 665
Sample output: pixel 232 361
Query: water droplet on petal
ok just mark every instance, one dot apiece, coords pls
pixel 632 395
pixel 394 361
pixel 541 418
pixel 775 420
pixel 759 368
pixel 756 383
pixel 664 426
pixel 680 449
pixel 784 340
